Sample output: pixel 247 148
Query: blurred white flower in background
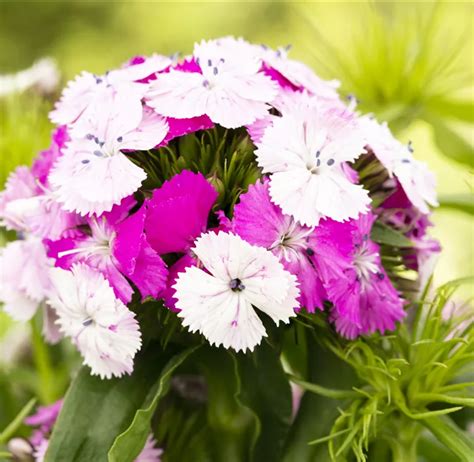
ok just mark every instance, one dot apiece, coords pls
pixel 43 76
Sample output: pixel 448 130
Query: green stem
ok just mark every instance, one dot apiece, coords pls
pixel 404 445
pixel 43 365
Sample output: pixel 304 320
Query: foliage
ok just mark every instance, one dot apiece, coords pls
pixel 406 381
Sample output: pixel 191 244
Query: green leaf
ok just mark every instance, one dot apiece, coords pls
pixel 316 413
pixel 17 422
pixel 451 143
pixel 444 429
pixel 95 411
pixel 265 390
pixel 323 391
pixel 461 202
pixel 129 443
pixel 386 235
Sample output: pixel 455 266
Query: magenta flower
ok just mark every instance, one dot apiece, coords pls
pixel 115 244
pixel 178 212
pixel 364 300
pixel 315 255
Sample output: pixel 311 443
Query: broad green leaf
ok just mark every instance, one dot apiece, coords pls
pixel 444 429
pixel 461 202
pixel 233 427
pixel 129 444
pixel 265 390
pixel 316 414
pixel 95 411
pixel 451 143
pixel 386 235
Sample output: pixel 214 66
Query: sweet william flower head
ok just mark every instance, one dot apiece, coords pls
pixel 229 88
pixel 305 151
pixel 94 173
pixel 103 329
pixel 219 298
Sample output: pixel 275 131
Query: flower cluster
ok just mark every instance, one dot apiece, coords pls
pixel 120 209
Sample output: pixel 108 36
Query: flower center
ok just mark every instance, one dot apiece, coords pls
pixel 236 285
pixel 365 263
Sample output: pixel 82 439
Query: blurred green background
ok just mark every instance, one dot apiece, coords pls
pixel 409 63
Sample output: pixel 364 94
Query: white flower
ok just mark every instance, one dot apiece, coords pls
pixel 305 151
pixel 24 278
pixel 94 174
pixel 87 88
pixel 220 302
pixel 231 89
pixel 416 179
pixel 104 330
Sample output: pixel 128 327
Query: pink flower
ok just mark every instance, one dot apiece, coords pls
pixel 297 74
pixel 115 244
pixel 94 173
pixel 24 280
pixel 178 213
pixel 229 88
pixel 28 205
pixel 364 300
pixel 44 418
pixel 416 179
pixel 315 256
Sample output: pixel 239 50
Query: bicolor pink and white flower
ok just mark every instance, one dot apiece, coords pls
pixel 24 281
pixel 219 298
pixel 416 179
pixel 305 152
pixel 102 328
pixel 87 89
pixel 94 173
pixel 229 87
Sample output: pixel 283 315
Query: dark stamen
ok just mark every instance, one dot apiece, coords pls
pixel 85 161
pixel 209 62
pixel 318 162
pixel 89 136
pixel 381 276
pixel 98 153
pixel 309 251
pixel 330 162
pixel 215 71
pixel 318 153
pixel 236 285
pixel 120 139
pixel 205 83
pixel 87 322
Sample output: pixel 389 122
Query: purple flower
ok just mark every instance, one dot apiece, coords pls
pixel 315 255
pixel 364 300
